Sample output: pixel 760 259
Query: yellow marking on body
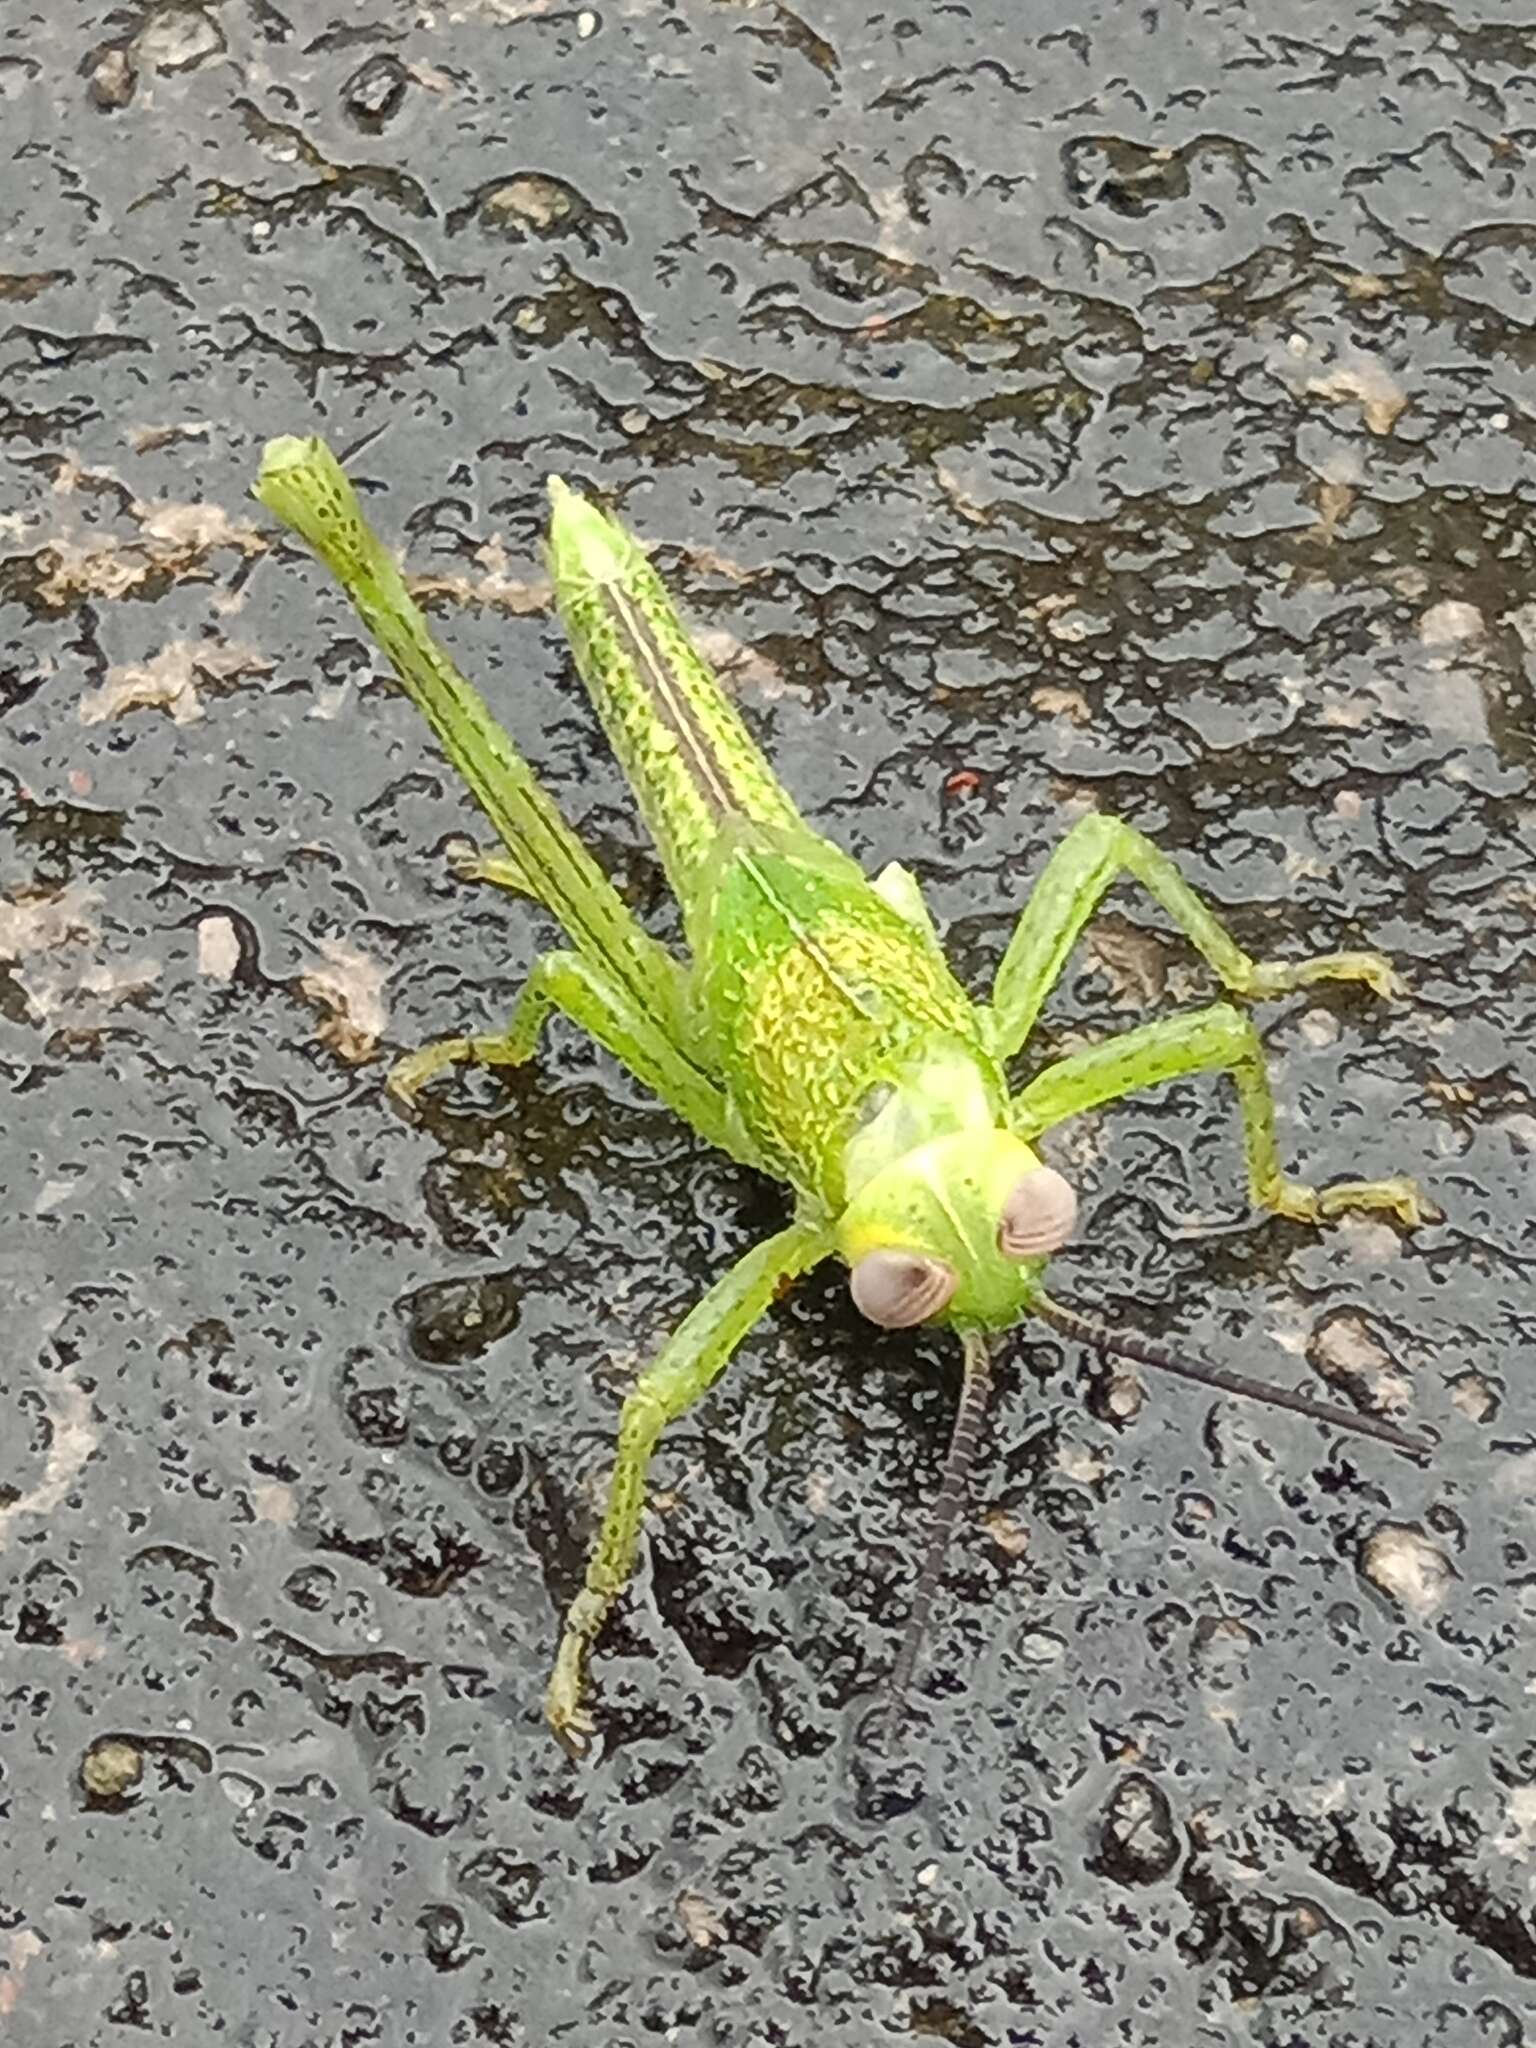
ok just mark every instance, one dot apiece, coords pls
pixel 806 938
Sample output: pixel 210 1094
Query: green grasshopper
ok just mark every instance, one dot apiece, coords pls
pixel 817 1034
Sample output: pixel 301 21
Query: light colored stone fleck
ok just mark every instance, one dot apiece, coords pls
pixel 1402 1563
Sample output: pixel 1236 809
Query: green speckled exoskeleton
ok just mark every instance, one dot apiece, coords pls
pixel 816 1032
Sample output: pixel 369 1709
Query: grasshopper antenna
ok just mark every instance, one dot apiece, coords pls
pixel 946 1512
pixel 363 441
pixel 1126 1344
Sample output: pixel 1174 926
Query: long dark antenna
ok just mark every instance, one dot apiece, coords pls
pixel 1126 1344
pixel 946 1512
pixel 364 441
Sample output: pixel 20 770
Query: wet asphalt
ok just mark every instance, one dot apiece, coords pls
pixel 1129 410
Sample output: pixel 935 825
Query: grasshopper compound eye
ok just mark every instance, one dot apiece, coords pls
pixel 900 1289
pixel 1038 1217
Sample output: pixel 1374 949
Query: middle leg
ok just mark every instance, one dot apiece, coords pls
pixel 1218 1040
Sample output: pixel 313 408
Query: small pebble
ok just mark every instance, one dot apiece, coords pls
pixel 1449 621
pixel 1137 1839
pixel 113 80
pixel 374 94
pixel 1402 1563
pixel 1125 1397
pixel 1345 1349
pixel 218 948
pixel 1040 1648
pixel 1474 1397
pixel 111 1768
pixel 178 38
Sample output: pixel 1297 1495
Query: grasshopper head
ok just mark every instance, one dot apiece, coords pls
pixel 957 1230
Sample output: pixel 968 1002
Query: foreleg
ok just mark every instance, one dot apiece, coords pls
pixel 691 1362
